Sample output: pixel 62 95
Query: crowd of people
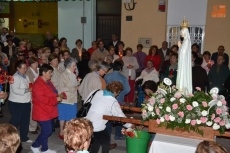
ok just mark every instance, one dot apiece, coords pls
pixel 49 80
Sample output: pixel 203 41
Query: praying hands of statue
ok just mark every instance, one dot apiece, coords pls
pixel 130 67
pixel 179 43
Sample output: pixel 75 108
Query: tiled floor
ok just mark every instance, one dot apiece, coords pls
pixel 57 144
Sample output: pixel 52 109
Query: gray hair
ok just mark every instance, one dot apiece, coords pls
pixel 93 64
pixel 103 65
pixel 68 62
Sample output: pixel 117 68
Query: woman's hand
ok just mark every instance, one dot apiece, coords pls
pixel 59 98
pixel 3 95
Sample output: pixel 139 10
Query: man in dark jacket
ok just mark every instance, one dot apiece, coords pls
pixel 199 75
pixel 218 75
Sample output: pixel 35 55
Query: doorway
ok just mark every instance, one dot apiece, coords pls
pixel 108 19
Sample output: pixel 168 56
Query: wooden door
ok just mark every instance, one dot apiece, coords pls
pixel 108 25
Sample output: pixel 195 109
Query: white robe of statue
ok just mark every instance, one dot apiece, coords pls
pixel 184 71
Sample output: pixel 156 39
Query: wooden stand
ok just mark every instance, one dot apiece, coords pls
pixel 209 133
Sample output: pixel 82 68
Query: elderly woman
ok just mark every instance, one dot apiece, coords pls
pixel 33 74
pixel 64 55
pixel 43 59
pixel 45 99
pixel 77 135
pixel 78 50
pixel 104 103
pixel 67 109
pixel 53 61
pixel 149 73
pixel 19 101
pixel 129 71
pixel 94 80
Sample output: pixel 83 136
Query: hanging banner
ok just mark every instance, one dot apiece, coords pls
pixel 4 7
pixel 37 18
pixel 219 11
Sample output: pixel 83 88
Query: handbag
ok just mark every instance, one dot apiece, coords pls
pixel 86 106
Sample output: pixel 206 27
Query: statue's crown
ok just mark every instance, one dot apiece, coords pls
pixel 184 23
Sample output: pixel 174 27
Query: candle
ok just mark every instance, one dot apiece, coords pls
pixel 129 72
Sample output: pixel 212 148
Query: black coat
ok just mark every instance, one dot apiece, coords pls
pixel 199 78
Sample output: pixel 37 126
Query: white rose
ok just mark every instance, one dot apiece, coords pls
pixel 227 126
pixel 187 121
pixel 195 104
pixel 162 119
pixel 172 99
pixel 198 121
pixel 160 107
pixel 150 108
pixel 168 109
pixel 209 123
pixel 204 113
pixel 182 100
pixel 219 103
pixel 171 118
pixel 215 126
pixel 153 114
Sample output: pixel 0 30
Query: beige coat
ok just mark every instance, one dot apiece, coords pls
pixel 98 55
pixel 55 79
pixel 30 75
pixel 90 82
pixel 68 84
pixel 130 72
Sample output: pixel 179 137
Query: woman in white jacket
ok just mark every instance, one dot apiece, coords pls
pixel 104 103
pixel 149 73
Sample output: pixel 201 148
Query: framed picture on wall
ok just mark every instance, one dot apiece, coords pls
pixel 146 42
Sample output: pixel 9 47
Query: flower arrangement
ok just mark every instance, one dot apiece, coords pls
pixel 131 132
pixel 172 109
pixel 4 79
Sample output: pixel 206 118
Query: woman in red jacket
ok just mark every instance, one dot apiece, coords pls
pixel 154 56
pixel 45 99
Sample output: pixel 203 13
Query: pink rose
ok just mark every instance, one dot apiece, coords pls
pixel 151 100
pixel 191 95
pixel 158 121
pixel 222 123
pixel 181 114
pixel 193 122
pixel 204 103
pixel 203 119
pixel 189 107
pixel 213 116
pixel 177 95
pixel 198 88
pixel 162 100
pixel 157 111
pixel 174 106
pixel 223 102
pixel 218 111
pixel 217 120
pixel 166 117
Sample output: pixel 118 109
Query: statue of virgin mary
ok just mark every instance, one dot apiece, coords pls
pixel 184 72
